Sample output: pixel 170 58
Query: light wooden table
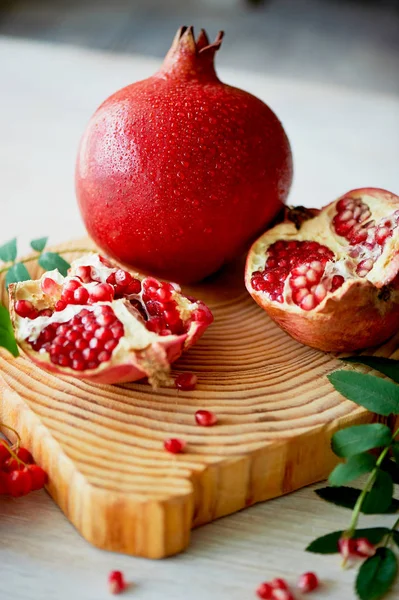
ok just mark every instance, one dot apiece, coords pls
pixel 341 139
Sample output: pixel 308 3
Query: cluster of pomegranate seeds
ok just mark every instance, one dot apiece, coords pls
pixel 116 582
pixel 352 222
pixel 278 589
pixel 305 263
pixel 186 382
pixel 350 548
pixel 163 313
pixel 84 342
pixel 18 473
pixel 205 418
pixel 124 284
pixel 174 445
pixel 25 309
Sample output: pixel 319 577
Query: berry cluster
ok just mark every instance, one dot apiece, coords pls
pixel 18 473
pixel 278 589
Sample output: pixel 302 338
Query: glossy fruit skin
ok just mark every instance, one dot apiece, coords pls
pixel 178 173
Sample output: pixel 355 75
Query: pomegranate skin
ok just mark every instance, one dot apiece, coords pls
pixel 178 173
pixel 364 311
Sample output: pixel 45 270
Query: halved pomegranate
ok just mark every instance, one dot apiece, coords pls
pixel 331 281
pixel 104 324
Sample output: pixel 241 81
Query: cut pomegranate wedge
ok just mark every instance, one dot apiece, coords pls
pixel 331 280
pixel 104 324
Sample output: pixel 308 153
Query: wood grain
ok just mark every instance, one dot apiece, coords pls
pixel 103 445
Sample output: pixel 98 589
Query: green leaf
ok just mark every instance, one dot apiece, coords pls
pixel 17 272
pixel 395 452
pixel 347 496
pixel 395 537
pixel 8 252
pixel 51 260
pixel 359 438
pixel 379 498
pixel 375 394
pixel 328 544
pixel 354 467
pixel 39 244
pixel 7 339
pixel 376 575
pixel 388 366
pixel 390 466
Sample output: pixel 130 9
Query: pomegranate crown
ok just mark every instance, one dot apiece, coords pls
pixel 191 57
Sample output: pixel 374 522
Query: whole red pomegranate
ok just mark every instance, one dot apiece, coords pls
pixel 176 174
pixel 331 281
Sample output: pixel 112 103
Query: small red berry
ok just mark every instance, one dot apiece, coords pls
pixel 205 418
pixel 24 455
pixel 102 292
pixel 174 445
pixel 186 381
pixel 19 483
pixel 3 483
pixel 24 309
pixel 308 582
pixel 364 548
pixel 4 452
pixel 116 582
pixel 80 296
pixel 11 464
pixel 38 476
pixel 265 591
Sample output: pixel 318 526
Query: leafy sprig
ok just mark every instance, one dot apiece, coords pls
pixel 16 271
pixel 371 450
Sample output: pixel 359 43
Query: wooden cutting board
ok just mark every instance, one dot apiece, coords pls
pixel 102 446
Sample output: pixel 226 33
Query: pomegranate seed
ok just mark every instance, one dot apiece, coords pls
pixel 279 584
pixel 38 476
pixel 134 287
pixel 49 286
pixel 104 356
pixel 155 324
pixel 282 595
pixel 174 445
pixel 71 285
pixel 103 334
pixel 308 582
pixel 364 548
pixel 205 418
pixel 80 296
pixel 186 381
pixel 265 591
pixel 24 308
pixel 19 483
pixel 11 464
pixel 102 292
pixel 116 582
pixel 122 278
pixel 347 547
pixel 84 273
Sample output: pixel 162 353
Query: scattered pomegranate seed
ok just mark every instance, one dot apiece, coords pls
pixel 186 381
pixel 205 418
pixel 364 548
pixel 265 591
pixel 279 584
pixel 174 445
pixel 347 547
pixel 116 582
pixel 279 594
pixel 308 582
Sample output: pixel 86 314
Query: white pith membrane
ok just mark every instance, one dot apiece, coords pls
pixel 148 347
pixel 359 239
